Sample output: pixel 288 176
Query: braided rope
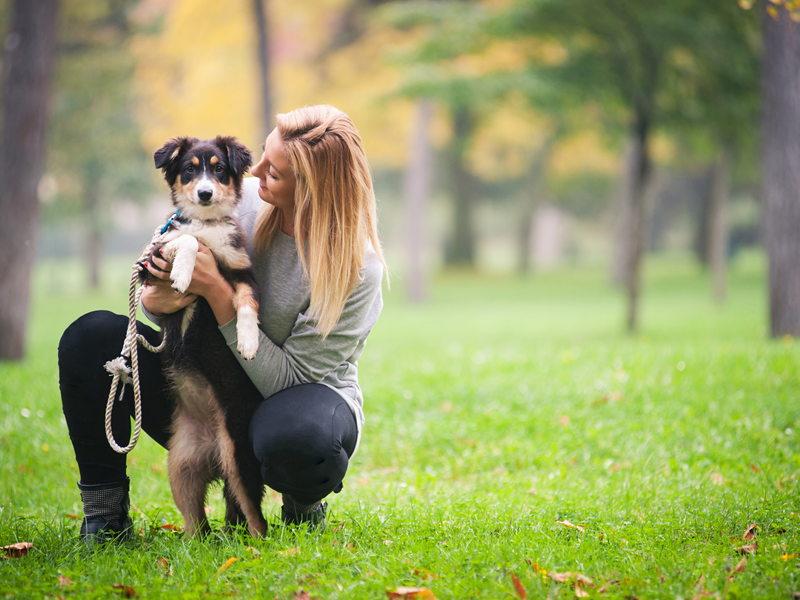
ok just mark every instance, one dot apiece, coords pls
pixel 118 367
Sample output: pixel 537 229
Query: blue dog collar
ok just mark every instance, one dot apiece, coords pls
pixel 175 215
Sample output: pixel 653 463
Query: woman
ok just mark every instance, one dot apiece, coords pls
pixel 318 262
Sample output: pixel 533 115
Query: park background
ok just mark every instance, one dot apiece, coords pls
pixel 584 381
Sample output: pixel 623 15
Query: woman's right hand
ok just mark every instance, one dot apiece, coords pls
pixel 158 297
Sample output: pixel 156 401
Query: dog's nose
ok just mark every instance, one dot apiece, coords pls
pixel 205 196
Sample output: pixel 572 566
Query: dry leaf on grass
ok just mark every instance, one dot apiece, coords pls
pixel 564 421
pixel 571 526
pixel 424 574
pixel 290 551
pixel 302 595
pixel 125 590
pixel 521 591
pixel 418 593
pixel 227 564
pixel 64 581
pixel 739 568
pixel 16 550
pixel 750 532
pixel 171 527
pixel 717 478
pixel 748 549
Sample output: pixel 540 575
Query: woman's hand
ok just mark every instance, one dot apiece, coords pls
pixel 206 281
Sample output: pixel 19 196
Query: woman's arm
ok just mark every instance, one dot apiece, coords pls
pixel 304 356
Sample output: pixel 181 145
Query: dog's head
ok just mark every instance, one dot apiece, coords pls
pixel 205 176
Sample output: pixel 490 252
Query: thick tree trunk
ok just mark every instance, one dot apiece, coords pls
pixel 718 225
pixel 261 11
pixel 460 250
pixel 26 87
pixel 416 190
pixel 780 158
pixel 639 174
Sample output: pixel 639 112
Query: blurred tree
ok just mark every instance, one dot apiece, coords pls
pixel 625 56
pixel 261 18
pixel 780 161
pixel 27 68
pixel 95 156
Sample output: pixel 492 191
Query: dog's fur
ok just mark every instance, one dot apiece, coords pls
pixel 214 397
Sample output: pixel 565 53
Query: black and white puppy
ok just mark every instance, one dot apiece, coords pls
pixel 214 397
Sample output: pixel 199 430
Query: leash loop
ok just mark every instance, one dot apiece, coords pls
pixel 118 367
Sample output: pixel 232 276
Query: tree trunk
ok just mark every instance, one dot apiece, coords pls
pixel 529 201
pixel 718 224
pixel 416 190
pixel 261 10
pixel 624 215
pixel 639 174
pixel 780 159
pixel 27 73
pixel 461 247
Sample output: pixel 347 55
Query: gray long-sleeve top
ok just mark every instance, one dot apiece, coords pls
pixel 290 350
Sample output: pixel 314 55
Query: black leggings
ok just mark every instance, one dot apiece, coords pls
pixel 302 436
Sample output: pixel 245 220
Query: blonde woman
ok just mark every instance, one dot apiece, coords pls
pixel 309 212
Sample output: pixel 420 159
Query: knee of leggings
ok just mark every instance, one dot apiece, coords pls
pixel 90 333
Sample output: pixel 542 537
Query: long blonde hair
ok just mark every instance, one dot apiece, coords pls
pixel 334 206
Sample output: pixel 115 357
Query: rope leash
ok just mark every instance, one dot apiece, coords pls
pixel 118 367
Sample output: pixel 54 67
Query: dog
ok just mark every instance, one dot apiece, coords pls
pixel 214 397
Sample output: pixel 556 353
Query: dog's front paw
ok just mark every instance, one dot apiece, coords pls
pixel 247 333
pixel 180 280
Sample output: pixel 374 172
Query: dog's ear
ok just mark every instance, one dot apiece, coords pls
pixel 167 154
pixel 239 157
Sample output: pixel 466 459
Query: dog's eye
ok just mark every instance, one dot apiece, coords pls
pixel 190 169
pixel 218 169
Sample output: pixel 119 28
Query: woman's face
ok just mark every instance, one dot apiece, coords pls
pixel 275 174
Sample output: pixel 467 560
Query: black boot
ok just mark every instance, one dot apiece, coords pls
pixel 105 511
pixel 294 513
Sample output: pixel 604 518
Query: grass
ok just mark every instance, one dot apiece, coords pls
pixel 495 410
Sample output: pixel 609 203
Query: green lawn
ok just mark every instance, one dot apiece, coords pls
pixel 495 411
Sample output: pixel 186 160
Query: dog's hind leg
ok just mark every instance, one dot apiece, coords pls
pixel 249 505
pixel 234 517
pixel 190 463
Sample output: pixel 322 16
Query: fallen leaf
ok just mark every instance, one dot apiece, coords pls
pixel 447 407
pixel 717 478
pixel 661 577
pixel 560 577
pixel 570 525
pixel 750 532
pixel 64 581
pixel 255 552
pixel 739 568
pixel 564 421
pixel 17 550
pixel 786 556
pixel 754 467
pixel 290 551
pixel 72 516
pixel 521 592
pixel 302 595
pixel 126 590
pixel 748 549
pixel 419 593
pixel 424 574
pixel 171 527
pixel 580 592
pixel 163 563
pixel 603 589
pixel 227 564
